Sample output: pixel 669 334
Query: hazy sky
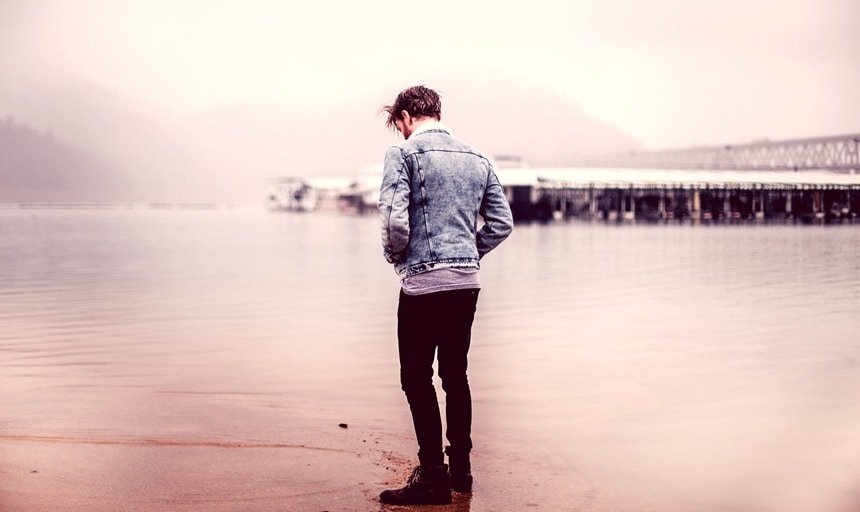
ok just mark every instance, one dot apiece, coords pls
pixel 670 73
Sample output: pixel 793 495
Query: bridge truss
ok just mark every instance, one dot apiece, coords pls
pixel 838 153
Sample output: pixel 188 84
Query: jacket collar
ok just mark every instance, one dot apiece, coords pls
pixel 431 125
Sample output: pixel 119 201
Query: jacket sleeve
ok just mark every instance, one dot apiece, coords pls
pixel 394 206
pixel 498 220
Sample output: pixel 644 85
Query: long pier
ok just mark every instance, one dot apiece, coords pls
pixel 644 194
pixel 806 179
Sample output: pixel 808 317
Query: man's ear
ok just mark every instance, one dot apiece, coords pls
pixel 404 115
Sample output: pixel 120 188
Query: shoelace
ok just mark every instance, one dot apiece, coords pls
pixel 414 476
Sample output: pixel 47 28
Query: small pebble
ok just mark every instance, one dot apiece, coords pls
pixel 34 471
pixel 342 425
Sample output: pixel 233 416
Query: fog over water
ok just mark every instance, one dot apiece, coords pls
pixel 668 367
pixel 208 100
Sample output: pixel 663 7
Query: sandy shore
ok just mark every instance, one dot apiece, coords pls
pixel 332 469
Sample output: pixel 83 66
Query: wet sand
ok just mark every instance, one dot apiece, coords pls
pixel 143 448
pixel 99 474
pixel 334 469
pixel 338 473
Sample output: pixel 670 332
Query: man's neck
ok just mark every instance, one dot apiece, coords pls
pixel 428 123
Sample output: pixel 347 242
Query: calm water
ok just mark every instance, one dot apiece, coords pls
pixel 668 367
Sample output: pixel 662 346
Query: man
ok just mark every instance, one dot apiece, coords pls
pixel 433 190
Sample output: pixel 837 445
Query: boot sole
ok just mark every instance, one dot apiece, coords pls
pixel 436 501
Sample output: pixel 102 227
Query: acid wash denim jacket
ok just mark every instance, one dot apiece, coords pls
pixel 434 187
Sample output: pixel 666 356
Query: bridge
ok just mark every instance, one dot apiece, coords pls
pixel 807 179
pixel 837 153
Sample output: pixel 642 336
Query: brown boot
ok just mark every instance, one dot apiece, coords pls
pixel 428 485
pixel 460 474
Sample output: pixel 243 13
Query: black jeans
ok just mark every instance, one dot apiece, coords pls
pixel 425 323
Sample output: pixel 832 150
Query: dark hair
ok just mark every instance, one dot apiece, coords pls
pixel 419 101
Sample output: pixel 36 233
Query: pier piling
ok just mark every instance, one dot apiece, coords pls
pixel 641 194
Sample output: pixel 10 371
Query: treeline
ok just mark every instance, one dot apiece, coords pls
pixel 34 166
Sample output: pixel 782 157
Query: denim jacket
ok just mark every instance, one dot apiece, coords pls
pixel 433 188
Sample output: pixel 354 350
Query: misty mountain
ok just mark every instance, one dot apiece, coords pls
pixel 34 166
pixel 230 153
pixel 541 125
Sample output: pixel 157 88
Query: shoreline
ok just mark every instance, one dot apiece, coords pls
pixel 343 471
pixel 94 473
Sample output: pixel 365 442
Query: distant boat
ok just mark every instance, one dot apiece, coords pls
pixel 292 194
pixel 307 194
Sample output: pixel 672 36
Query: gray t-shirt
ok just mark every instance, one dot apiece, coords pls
pixel 441 280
